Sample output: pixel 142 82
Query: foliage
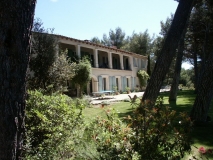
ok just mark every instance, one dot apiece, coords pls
pixel 143 77
pixel 115 88
pixel 151 133
pixel 160 132
pixel 82 73
pixel 187 78
pixel 127 89
pixel 116 38
pixel 110 137
pixel 51 70
pixel 138 43
pixel 54 125
pixel 43 55
pixel 168 50
pixel 61 71
pixel 96 40
pixel 199 35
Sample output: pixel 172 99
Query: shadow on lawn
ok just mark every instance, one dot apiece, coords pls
pixel 129 112
pixel 202 133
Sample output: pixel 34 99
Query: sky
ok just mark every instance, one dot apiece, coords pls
pixel 85 19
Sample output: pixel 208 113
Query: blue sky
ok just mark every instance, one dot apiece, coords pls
pixel 84 19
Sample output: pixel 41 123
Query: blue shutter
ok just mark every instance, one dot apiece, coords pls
pixel 110 83
pixel 123 83
pixel 132 83
pixel 113 81
pixel 100 83
pixel 135 81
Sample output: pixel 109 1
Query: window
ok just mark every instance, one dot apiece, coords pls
pixel 135 62
pixel 117 83
pixel 104 84
pixel 127 82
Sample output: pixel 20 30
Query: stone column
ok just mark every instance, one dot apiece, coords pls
pixel 146 63
pixel 131 62
pixel 88 88
pixel 110 59
pixel 119 84
pixel 95 86
pixel 78 51
pixel 96 58
pixel 121 61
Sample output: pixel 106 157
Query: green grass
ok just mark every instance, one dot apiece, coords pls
pixel 122 108
pixel 201 135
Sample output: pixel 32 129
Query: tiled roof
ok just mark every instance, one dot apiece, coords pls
pixel 98 45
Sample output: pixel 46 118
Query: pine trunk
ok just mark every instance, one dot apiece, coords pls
pixel 168 51
pixel 16 18
pixel 204 96
pixel 176 77
pixel 195 68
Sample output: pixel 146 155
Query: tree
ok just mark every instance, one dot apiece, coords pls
pixel 176 77
pixel 142 77
pixel 199 36
pixel 187 78
pixel 204 96
pixel 105 41
pixel 149 66
pixel 43 55
pixel 61 71
pixel 158 44
pixel 16 19
pixel 168 51
pixel 96 40
pixel 203 99
pixel 116 38
pixel 82 74
pixel 139 43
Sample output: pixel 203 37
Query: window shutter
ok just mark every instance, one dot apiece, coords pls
pixel 132 83
pixel 100 80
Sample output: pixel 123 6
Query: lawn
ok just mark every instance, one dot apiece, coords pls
pixel 202 135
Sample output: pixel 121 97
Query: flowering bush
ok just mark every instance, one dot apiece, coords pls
pixel 203 150
pixel 161 133
pixel 152 132
pixel 111 137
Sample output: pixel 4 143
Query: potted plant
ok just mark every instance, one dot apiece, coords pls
pixel 127 90
pixel 115 89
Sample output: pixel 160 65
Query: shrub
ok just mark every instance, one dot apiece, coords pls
pixel 142 77
pixel 54 125
pixel 160 133
pixel 82 74
pixel 110 137
pixel 152 132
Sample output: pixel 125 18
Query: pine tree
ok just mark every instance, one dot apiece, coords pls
pixel 16 19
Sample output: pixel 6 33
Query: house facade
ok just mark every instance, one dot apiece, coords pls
pixel 111 67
